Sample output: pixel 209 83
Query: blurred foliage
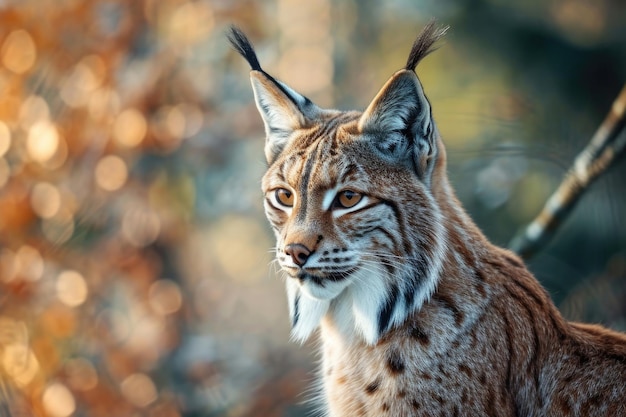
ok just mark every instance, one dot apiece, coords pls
pixel 133 248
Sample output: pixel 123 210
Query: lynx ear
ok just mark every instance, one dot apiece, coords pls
pixel 282 109
pixel 399 119
pixel 398 122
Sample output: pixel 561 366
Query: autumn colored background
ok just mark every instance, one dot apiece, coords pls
pixel 135 275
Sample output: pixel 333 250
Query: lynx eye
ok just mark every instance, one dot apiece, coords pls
pixel 284 197
pixel 348 199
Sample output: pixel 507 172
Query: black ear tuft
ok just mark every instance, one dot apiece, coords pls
pixel 423 45
pixel 242 44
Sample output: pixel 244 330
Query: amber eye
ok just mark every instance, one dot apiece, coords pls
pixel 348 199
pixel 284 197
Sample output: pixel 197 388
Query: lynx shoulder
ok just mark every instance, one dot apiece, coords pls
pixel 419 314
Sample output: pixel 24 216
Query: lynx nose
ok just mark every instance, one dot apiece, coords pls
pixel 298 252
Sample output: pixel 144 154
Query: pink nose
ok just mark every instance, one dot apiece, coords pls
pixel 298 252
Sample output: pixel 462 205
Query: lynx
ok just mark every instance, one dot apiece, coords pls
pixel 419 314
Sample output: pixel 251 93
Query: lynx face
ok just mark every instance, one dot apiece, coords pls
pixel 338 207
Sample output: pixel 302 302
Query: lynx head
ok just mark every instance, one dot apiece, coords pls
pixel 351 199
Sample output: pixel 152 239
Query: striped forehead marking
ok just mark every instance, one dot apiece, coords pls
pixel 306 177
pixel 315 157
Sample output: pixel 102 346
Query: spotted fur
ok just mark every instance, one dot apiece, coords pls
pixel 419 314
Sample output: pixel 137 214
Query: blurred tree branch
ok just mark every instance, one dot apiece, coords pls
pixel 606 147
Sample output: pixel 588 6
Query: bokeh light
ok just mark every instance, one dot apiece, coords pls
pixel 111 173
pixel 71 288
pixel 45 199
pixel 130 128
pixel 30 263
pixel 19 363
pixel 165 297
pixel 18 51
pixel 139 390
pixel 43 141
pixel 58 401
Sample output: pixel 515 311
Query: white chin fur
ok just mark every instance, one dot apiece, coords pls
pixel 328 292
pixel 354 307
pixel 305 312
pixel 308 303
